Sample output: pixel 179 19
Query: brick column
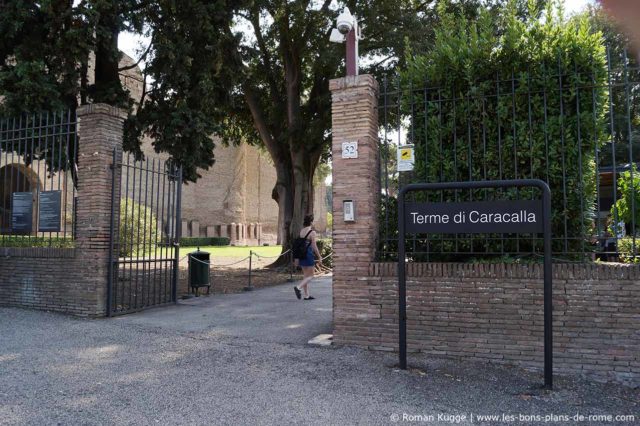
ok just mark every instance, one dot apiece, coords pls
pixel 355 118
pixel 99 131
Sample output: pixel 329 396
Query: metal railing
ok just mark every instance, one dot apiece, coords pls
pixel 38 155
pixel 577 131
pixel 145 234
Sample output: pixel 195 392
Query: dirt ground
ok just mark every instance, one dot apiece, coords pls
pixel 231 275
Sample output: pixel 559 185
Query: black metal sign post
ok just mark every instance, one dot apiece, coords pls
pixel 481 217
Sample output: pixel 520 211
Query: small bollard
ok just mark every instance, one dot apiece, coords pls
pixel 249 287
pixel 290 266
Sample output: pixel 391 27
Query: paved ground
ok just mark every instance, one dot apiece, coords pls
pixel 243 359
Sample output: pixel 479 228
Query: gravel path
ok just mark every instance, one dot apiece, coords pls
pixel 243 359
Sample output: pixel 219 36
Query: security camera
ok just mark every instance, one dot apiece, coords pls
pixel 336 36
pixel 345 21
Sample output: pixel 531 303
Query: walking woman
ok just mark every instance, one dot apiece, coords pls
pixel 308 263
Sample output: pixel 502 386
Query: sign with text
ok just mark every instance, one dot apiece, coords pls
pixel 405 158
pixel 21 211
pixel 50 211
pixel 522 216
pixel 350 149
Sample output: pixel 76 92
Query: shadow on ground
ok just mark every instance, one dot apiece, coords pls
pixel 243 359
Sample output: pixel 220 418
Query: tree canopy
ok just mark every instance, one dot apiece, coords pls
pixel 512 98
pixel 248 70
pixel 45 64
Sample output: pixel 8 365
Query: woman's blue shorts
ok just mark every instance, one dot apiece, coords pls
pixel 309 260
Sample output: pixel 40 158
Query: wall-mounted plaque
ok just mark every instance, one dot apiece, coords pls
pixel 405 158
pixel 50 211
pixel 21 212
pixel 350 149
pixel 520 216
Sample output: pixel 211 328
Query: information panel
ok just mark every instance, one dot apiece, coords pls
pixel 50 211
pixel 21 212
pixel 405 158
pixel 522 216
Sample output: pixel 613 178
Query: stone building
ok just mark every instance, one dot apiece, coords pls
pixel 233 198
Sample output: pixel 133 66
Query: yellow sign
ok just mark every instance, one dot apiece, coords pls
pixel 405 158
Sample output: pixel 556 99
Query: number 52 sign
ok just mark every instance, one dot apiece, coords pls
pixel 350 149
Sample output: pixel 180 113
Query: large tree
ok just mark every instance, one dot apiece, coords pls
pixel 45 56
pixel 284 60
pixel 280 97
pixel 247 70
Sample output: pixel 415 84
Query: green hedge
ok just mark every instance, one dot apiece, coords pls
pixel 516 98
pixel 139 230
pixel 627 208
pixel 626 249
pixel 26 241
pixel 204 242
pixel 325 246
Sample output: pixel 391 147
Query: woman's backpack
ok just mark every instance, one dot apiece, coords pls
pixel 300 246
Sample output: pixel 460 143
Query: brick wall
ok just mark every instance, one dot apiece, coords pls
pixel 73 280
pixel 483 312
pixel 494 313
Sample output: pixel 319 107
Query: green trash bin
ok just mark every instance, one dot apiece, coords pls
pixel 199 264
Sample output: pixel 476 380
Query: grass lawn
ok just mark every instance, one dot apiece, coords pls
pixel 237 252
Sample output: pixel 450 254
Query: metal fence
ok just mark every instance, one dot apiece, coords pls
pixel 37 180
pixel 578 132
pixel 145 234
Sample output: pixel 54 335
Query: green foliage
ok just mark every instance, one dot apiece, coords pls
pixel 139 232
pixel 329 220
pixel 388 231
pixel 517 97
pixel 189 72
pixel 619 54
pixel 279 91
pixel 627 208
pixel 325 246
pixel 204 242
pixel 28 241
pixel 44 66
pixel 41 48
pixel 629 250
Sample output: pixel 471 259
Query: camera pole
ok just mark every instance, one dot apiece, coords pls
pixel 352 52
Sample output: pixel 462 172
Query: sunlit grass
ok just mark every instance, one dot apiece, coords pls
pixel 234 252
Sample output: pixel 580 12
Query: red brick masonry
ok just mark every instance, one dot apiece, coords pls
pixel 73 280
pixel 493 312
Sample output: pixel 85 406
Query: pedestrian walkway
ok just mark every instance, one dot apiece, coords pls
pixel 244 359
pixel 270 314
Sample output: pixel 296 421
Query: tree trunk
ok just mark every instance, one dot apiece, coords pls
pixel 283 195
pixel 294 194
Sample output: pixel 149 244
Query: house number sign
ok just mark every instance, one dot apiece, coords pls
pixel 350 149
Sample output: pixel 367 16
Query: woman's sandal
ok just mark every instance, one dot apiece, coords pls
pixel 309 298
pixel 298 292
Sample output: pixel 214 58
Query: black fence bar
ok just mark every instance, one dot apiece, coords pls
pixel 38 158
pixel 575 130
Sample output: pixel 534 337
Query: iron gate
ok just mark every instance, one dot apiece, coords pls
pixel 145 234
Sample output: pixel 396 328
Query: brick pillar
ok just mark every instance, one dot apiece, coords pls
pixel 99 131
pixel 354 118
